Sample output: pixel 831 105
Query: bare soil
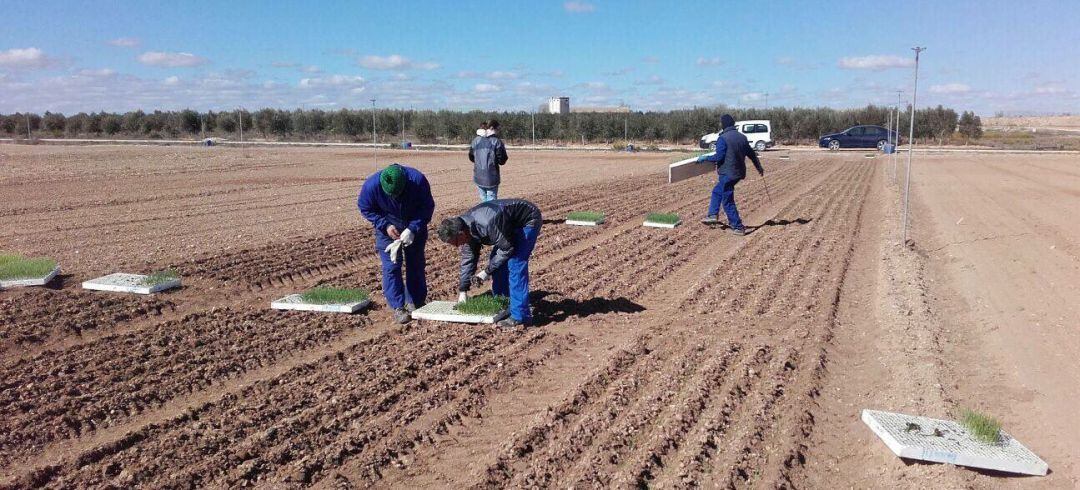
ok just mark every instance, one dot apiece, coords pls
pixel 674 358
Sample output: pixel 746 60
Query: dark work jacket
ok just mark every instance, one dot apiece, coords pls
pixel 412 209
pixel 494 223
pixel 487 153
pixel 732 148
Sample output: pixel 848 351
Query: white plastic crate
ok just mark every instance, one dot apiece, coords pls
pixel 296 302
pixel 584 223
pixel 128 283
pixel 945 441
pixel 654 224
pixel 443 311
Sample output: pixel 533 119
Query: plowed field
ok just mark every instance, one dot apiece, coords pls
pixel 662 358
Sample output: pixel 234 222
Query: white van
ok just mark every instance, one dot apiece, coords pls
pixel 758 133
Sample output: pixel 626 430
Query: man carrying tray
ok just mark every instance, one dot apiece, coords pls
pixel 510 227
pixel 397 201
pixel 732 148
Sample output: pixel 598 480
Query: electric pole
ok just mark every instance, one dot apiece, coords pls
pixel 374 140
pixel 911 141
pixel 533 127
pixel 240 116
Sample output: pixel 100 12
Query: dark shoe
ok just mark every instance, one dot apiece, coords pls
pixel 409 307
pixel 710 220
pixel 738 231
pixel 509 323
pixel 402 316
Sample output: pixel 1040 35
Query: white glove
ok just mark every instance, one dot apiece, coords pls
pixel 462 297
pixel 393 250
pixel 406 237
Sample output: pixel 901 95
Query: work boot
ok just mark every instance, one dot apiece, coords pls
pixel 738 231
pixel 409 307
pixel 710 220
pixel 402 316
pixel 509 324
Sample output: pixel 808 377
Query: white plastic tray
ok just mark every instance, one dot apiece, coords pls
pixel 443 311
pixel 33 281
pixel 583 223
pixel 945 441
pixel 654 224
pixel 294 302
pixel 688 169
pixel 128 283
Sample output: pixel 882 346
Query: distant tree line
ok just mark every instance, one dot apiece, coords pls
pixel 790 125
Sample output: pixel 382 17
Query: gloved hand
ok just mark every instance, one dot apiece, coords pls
pixel 761 172
pixel 393 250
pixel 479 279
pixel 407 237
pixel 462 297
pixel 701 158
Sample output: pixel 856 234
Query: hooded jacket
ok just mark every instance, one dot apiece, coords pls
pixel 412 209
pixel 732 148
pixel 494 223
pixel 487 153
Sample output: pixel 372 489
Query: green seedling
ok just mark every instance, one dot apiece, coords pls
pixel 333 296
pixel 982 427
pixel 663 218
pixel 485 304
pixel 14 266
pixel 160 277
pixel 588 216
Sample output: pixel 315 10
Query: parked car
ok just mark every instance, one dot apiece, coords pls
pixel 758 133
pixel 864 136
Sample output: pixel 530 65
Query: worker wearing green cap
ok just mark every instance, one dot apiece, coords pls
pixel 397 201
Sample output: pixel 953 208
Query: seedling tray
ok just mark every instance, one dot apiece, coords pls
pixel 30 281
pixel 583 223
pixel 128 283
pixel 661 225
pixel 296 302
pixel 443 311
pixel 944 441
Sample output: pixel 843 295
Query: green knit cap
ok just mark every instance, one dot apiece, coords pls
pixel 392 180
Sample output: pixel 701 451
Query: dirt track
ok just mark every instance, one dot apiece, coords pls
pixel 681 358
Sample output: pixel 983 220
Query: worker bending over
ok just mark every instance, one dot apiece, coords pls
pixel 397 201
pixel 510 227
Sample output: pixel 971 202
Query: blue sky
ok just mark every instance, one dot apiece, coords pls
pixel 985 56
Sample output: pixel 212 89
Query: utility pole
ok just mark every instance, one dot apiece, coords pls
pixel 374 139
pixel 28 137
pixel 402 128
pixel 533 127
pixel 625 132
pixel 911 141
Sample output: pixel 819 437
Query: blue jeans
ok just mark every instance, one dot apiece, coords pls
pixel 512 279
pixel 488 193
pixel 724 194
pixel 414 288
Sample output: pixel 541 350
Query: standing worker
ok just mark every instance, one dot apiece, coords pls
pixel 510 227
pixel 732 148
pixel 488 153
pixel 397 201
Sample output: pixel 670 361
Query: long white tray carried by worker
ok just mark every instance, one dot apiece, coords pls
pixel 945 441
pixel 688 169
pixel 443 311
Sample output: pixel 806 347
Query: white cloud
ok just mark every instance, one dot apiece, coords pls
pixel 596 85
pixel 394 62
pixel 752 96
pixel 874 62
pixel 503 75
pixel 103 72
pixel 620 72
pixel 124 42
pixel 171 60
pixel 652 80
pixel 709 61
pixel 1050 89
pixel 579 7
pixel 24 58
pixel 950 89
pixel 332 81
pixel 173 80
pixel 311 69
pixel 486 87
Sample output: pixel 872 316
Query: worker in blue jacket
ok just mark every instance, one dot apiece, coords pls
pixel 397 201
pixel 732 148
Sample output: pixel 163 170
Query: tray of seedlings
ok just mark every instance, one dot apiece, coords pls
pixel 121 282
pixel 585 218
pixel 662 220
pixel 325 299
pixel 19 271
pixel 484 308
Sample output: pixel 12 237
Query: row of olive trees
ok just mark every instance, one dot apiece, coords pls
pixel 790 125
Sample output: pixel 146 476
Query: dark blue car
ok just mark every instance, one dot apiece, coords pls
pixel 865 136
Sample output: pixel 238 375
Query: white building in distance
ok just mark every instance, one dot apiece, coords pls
pixel 559 105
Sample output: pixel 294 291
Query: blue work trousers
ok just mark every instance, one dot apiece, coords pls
pixel 724 195
pixel 413 289
pixel 512 279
